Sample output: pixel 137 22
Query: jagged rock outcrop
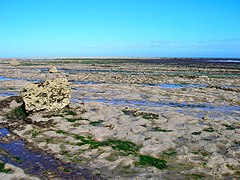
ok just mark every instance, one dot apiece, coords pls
pixel 49 96
pixel 14 62
pixel 53 70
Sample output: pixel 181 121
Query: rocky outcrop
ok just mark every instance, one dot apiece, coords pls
pixel 49 96
pixel 14 62
pixel 236 89
pixel 53 70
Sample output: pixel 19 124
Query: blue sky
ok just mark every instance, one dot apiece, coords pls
pixel 135 28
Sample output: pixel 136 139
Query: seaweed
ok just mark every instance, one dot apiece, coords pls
pixel 229 127
pixel 158 129
pixel 124 148
pixel 210 129
pixel 148 160
pixel 196 176
pixel 237 173
pixel 70 112
pixel 95 123
pixel 144 115
pixel 197 133
pixel 237 143
pixel 170 153
pixel 17 113
pixel 204 154
pixel 3 170
pixel 74 119
pixel 35 133
pixel 61 132
pixel 49 140
pixel 17 159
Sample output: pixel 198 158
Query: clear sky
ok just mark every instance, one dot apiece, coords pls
pixel 153 28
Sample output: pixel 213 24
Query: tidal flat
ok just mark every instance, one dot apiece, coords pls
pixel 128 119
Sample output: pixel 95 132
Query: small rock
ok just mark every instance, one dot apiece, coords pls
pixel 55 148
pixel 14 62
pixel 53 70
pixel 14 104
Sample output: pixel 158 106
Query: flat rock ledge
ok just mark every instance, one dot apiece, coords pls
pixel 49 96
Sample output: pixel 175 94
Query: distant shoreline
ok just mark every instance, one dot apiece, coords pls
pixel 125 58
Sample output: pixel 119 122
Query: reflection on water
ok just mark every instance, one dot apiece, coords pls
pixel 224 61
pixel 145 103
pixel 198 110
pixel 7 94
pixel 37 163
pixel 3 78
pixel 175 86
pixel 85 82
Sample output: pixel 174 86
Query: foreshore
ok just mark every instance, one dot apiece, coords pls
pixel 129 120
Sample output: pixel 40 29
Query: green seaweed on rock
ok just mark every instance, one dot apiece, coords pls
pixel 210 129
pixel 229 127
pixel 196 176
pixel 61 132
pixel 17 113
pixel 238 103
pixel 197 133
pixel 202 153
pixel 17 159
pixel 3 170
pixel 95 123
pixel 237 173
pixel 124 148
pixel 170 153
pixel 49 140
pixel 67 170
pixel 93 144
pixel 158 129
pixel 148 160
pixel 144 115
pixel 230 167
pixel 237 143
pixel 74 119
pixel 65 153
pixel 70 112
pixel 35 133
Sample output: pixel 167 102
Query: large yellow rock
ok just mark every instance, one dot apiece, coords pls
pixel 49 96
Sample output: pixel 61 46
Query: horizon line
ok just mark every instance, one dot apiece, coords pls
pixel 121 57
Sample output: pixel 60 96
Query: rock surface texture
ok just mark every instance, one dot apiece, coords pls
pixel 49 96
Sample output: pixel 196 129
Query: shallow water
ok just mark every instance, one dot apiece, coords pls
pixel 232 87
pixel 3 78
pixel 145 103
pixel 85 82
pixel 224 61
pixel 202 109
pixel 7 94
pixel 176 86
pixel 218 113
pixel 76 71
pixel 36 162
